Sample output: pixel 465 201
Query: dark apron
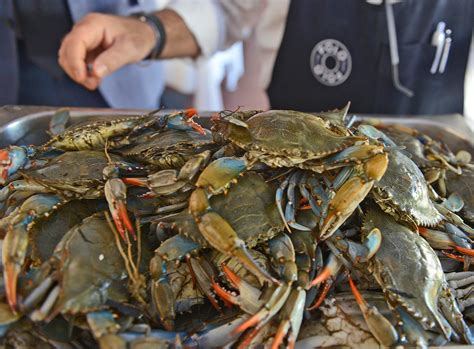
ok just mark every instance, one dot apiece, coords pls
pixel 362 29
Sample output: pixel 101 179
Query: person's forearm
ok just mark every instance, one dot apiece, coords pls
pixel 180 42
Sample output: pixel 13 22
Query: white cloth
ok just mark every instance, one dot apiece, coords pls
pixel 217 24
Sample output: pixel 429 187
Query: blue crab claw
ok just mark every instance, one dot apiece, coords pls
pixel 248 298
pixel 220 235
pixel 292 314
pixel 184 121
pixel 116 194
pixel 12 159
pixel 378 324
pixel 352 193
pixel 276 301
pixel 344 203
pixel 200 272
pixel 359 253
pixel 442 240
pixel 15 244
pixel 331 269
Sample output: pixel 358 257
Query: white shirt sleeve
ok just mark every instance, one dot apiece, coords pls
pixel 217 24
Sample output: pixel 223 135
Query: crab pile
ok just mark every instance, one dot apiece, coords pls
pixel 275 229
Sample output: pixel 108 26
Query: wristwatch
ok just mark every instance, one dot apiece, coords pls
pixel 158 28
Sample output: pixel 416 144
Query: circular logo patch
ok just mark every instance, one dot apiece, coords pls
pixel 330 62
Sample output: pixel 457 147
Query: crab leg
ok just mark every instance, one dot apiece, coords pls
pixel 292 317
pixel 42 313
pixel 290 209
pixel 450 310
pixel 279 202
pixel 360 252
pixel 441 240
pixel 15 244
pixel 116 194
pixel 214 180
pixel 276 301
pixel 378 324
pixel 162 293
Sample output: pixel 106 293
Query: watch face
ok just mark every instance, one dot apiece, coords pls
pixel 330 62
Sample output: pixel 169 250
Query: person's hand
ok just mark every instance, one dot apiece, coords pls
pixel 100 44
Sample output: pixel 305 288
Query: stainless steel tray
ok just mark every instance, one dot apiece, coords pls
pixel 28 125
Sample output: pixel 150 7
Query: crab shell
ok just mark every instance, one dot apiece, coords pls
pixel 167 149
pixel 249 207
pixel 403 192
pixel 407 269
pixel 464 186
pixel 283 138
pixel 412 145
pixel 93 134
pixel 76 174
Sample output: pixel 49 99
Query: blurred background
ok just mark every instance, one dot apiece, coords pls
pixel 226 80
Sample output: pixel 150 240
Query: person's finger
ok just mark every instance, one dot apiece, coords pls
pixel 84 37
pixel 113 58
pixel 91 82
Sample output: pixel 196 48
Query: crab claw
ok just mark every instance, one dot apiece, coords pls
pixel 248 298
pixel 15 243
pixel 10 274
pixel 220 235
pixel 292 314
pixel 116 195
pixel 441 240
pixel 183 120
pixel 138 182
pixel 276 301
pixel 204 281
pixel 378 324
pixel 12 159
pixel 347 198
pixel 321 296
pixel 331 269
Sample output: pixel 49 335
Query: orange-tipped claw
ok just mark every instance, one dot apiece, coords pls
pixel 355 292
pixel 190 113
pixel 249 338
pixel 332 267
pixel 4 162
pixel 228 299
pixel 122 221
pixel 116 195
pixel 233 277
pixel 463 250
pixel 323 276
pixel 321 297
pixel 280 335
pixel 198 128
pixel 453 256
pixel 139 182
pixel 252 321
pixel 4 155
pixel 10 275
pixel 123 214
